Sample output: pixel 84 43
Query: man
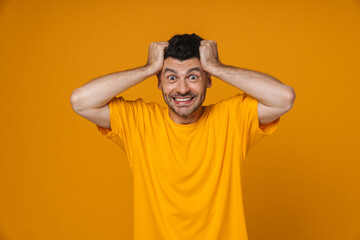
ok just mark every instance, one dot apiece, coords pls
pixel 186 159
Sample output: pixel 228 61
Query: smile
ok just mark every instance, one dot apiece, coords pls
pixel 183 101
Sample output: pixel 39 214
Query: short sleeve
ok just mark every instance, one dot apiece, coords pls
pixel 123 120
pixel 246 108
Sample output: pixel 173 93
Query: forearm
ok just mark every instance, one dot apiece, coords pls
pixel 99 91
pixel 263 87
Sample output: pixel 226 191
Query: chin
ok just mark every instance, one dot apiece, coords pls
pixel 186 113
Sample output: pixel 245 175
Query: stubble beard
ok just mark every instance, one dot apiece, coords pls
pixel 168 100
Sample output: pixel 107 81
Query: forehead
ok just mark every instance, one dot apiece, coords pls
pixel 181 66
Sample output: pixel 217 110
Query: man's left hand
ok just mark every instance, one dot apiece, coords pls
pixel 209 57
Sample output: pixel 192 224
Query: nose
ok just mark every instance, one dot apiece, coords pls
pixel 183 87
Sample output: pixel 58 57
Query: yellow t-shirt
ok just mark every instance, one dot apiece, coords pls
pixel 187 178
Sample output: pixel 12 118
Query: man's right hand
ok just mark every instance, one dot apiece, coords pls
pixel 91 100
pixel 156 56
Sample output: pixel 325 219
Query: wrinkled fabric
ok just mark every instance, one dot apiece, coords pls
pixel 187 178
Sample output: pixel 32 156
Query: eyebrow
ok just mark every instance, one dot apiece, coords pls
pixel 169 70
pixel 189 71
pixel 194 69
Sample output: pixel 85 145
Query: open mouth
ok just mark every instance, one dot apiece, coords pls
pixel 182 100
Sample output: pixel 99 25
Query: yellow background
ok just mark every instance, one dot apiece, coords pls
pixel 59 179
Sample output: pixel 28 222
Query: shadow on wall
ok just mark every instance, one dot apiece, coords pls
pixel 2 6
pixel 2 234
pixel 358 4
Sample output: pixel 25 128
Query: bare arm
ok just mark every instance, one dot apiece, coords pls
pixel 274 97
pixel 91 100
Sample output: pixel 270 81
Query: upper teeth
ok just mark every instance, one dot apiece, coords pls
pixel 182 99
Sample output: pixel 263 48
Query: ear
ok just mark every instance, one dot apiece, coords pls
pixel 208 80
pixel 159 80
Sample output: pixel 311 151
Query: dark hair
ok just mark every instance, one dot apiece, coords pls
pixel 183 47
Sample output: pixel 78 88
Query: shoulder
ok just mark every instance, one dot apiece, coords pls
pixel 137 105
pixel 235 101
pixel 122 100
pixel 137 102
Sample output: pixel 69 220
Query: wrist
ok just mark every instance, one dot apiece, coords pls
pixel 214 68
pixel 151 69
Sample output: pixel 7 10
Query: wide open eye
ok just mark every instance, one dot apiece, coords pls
pixel 171 77
pixel 193 77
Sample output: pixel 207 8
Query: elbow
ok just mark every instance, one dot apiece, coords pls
pixel 290 97
pixel 75 101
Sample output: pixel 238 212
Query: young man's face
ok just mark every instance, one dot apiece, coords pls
pixel 183 84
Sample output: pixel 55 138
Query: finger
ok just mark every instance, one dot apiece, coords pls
pixel 163 44
pixel 159 43
pixel 203 42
